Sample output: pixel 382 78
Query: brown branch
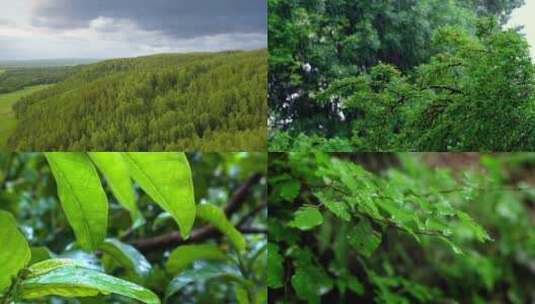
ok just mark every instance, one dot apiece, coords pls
pixel 172 239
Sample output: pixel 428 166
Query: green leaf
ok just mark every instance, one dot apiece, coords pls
pixel 242 296
pixel 289 190
pixel 49 265
pixel 114 169
pixel 72 281
pixel 339 208
pixel 127 256
pixel 355 285
pixel 203 272
pixel 275 267
pixel 185 255
pixel 81 195
pixel 39 254
pixel 306 218
pixel 166 178
pixel 15 252
pixel 310 282
pixel 215 216
pixel 363 238
pixel 478 231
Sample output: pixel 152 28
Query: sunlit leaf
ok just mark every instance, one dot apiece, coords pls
pixel 81 195
pixel 217 217
pixel 15 252
pixel 166 178
pixel 114 169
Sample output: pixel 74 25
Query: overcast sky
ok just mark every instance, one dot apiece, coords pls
pixel 526 16
pixel 46 29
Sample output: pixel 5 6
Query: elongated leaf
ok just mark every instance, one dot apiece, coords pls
pixel 14 253
pixel 114 168
pixel 203 272
pixel 217 217
pixel 81 195
pixel 166 178
pixel 127 256
pixel 306 218
pixel 49 265
pixel 71 281
pixel 185 255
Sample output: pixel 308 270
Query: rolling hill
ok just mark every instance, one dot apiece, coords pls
pixel 196 101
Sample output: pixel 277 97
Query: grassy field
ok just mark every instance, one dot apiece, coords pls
pixel 7 118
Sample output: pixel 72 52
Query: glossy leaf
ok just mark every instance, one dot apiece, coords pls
pixel 166 178
pixel 203 272
pixel 184 256
pixel 70 281
pixel 127 256
pixel 81 195
pixel 306 218
pixel 15 252
pixel 115 170
pixel 217 217
pixel 46 266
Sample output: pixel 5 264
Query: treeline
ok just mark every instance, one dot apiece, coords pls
pixel 17 79
pixel 399 75
pixel 200 101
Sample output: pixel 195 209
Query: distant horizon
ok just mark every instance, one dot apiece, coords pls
pixel 3 61
pixel 49 29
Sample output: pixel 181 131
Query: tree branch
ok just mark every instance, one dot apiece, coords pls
pixel 172 239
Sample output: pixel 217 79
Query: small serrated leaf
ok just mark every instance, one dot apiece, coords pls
pixel 306 218
pixel 363 238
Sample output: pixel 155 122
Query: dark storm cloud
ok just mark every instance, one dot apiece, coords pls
pixel 178 18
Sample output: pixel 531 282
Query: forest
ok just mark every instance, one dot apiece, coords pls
pixel 401 228
pixel 14 79
pixel 171 102
pixel 133 227
pixel 399 75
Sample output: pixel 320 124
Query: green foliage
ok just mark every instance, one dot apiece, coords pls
pixel 42 260
pixel 168 102
pixel 401 233
pixel 7 116
pixel 398 76
pixel 12 80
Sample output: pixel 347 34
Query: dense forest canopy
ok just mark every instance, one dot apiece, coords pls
pixel 14 79
pixel 398 75
pixel 106 239
pixel 401 228
pixel 198 101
